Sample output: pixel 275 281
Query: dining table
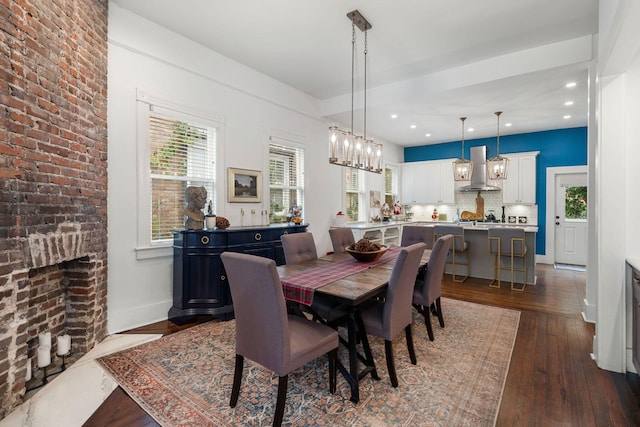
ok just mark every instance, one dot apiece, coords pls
pixel 340 278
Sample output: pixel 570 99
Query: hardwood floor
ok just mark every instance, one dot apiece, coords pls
pixel 552 380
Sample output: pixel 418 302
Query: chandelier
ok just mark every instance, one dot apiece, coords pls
pixel 345 147
pixel 462 169
pixel 497 166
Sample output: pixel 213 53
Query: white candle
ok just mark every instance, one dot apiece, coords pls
pixel 28 376
pixel 44 357
pixel 64 345
pixel 44 339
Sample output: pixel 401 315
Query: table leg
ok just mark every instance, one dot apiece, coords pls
pixel 353 358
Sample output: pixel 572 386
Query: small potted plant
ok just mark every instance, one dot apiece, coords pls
pixel 210 217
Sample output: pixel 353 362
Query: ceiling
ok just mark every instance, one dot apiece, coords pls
pixel 430 62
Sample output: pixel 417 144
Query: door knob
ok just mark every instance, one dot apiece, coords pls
pixel 557 223
pixel 557 217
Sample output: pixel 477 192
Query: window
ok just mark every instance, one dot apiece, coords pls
pixel 354 201
pixel 575 206
pixel 182 154
pixel 286 180
pixel 391 174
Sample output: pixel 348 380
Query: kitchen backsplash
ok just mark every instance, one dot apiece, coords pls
pixel 467 202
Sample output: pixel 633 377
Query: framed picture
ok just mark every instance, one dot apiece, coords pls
pixel 374 199
pixel 245 186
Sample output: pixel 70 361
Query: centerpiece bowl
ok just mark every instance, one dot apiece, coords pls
pixel 367 256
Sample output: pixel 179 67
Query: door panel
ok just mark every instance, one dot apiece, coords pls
pixel 570 219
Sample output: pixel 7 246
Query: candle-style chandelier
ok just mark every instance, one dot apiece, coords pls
pixel 345 147
pixel 498 166
pixel 462 169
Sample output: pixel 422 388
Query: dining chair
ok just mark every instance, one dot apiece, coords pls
pixel 264 331
pixel 508 242
pixel 298 247
pixel 415 233
pixel 428 285
pixel 386 319
pixel 459 246
pixel 341 238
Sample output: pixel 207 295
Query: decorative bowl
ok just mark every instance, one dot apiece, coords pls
pixel 367 256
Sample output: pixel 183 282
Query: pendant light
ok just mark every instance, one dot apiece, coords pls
pixel 462 169
pixel 345 147
pixel 497 167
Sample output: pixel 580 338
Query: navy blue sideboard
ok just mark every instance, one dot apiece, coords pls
pixel 199 281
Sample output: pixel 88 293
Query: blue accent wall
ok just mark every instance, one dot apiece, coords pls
pixel 561 147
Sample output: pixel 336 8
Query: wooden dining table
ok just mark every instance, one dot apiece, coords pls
pixel 349 288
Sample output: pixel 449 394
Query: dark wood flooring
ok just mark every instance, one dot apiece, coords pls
pixel 552 380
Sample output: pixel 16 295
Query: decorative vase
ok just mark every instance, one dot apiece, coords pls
pixel 210 222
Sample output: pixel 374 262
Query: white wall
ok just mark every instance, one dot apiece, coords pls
pixel 144 56
pixel 618 234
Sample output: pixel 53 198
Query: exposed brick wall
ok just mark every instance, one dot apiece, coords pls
pixel 53 172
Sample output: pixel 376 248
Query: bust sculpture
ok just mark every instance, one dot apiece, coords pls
pixel 196 199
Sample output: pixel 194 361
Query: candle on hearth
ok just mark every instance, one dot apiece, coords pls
pixel 44 339
pixel 44 357
pixel 28 376
pixel 64 345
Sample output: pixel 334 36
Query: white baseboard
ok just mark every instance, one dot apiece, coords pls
pixel 123 320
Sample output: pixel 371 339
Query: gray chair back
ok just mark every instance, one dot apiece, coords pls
pixel 417 234
pixel 341 238
pixel 506 236
pixel 298 247
pixel 262 332
pixel 430 288
pixel 457 231
pixel 397 313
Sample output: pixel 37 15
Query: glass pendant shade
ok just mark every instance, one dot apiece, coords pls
pixel 462 169
pixel 498 166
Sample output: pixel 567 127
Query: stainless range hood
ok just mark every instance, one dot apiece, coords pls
pixel 479 174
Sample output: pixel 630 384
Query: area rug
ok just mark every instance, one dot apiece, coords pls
pixel 184 379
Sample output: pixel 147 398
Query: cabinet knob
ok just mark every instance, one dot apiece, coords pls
pixel 223 277
pixel 286 232
pixel 258 236
pixel 204 240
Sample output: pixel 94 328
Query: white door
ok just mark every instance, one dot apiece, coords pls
pixel 571 219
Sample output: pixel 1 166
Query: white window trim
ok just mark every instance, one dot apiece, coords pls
pixel 145 249
pixel 362 192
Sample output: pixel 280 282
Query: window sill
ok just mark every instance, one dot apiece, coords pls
pixel 154 252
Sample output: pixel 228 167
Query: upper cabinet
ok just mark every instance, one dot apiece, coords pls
pixel 428 182
pixel 520 185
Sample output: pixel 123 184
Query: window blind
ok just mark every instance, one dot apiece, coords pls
pixel 286 180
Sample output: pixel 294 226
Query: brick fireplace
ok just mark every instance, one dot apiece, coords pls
pixel 53 181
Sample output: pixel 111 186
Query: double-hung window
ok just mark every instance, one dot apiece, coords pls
pixel 354 194
pixel 177 149
pixel 286 179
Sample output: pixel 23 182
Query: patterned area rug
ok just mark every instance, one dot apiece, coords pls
pixel 185 378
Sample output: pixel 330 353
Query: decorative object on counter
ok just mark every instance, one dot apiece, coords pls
pixel 503 217
pixel 210 217
pixel 375 219
pixel 222 223
pixel 366 251
pixel 397 208
pixel 497 167
pixel 245 186
pixel 196 198
pixel 522 220
pixel 478 215
pixel 434 215
pixel 491 217
pixel 345 147
pixel 462 169
pixel 512 219
pixel 386 212
pixel 442 217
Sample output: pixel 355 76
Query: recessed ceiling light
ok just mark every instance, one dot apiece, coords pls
pixel 571 84
pixel 470 129
pixel 394 116
pixel 568 103
pixel 568 116
pixel 427 135
pixel 413 126
pixel 507 124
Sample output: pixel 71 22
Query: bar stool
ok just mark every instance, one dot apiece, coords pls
pixel 503 243
pixel 458 246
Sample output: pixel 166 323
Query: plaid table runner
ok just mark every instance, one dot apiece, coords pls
pixel 300 287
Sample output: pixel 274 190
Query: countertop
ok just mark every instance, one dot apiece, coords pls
pixel 467 225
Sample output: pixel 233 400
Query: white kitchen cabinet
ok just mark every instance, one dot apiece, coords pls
pixel 440 184
pixel 414 176
pixel 428 182
pixel 383 233
pixel 520 185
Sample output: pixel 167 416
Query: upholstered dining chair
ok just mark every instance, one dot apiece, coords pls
pixel 264 331
pixel 428 285
pixel 298 247
pixel 460 246
pixel 386 319
pixel 415 233
pixel 341 238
